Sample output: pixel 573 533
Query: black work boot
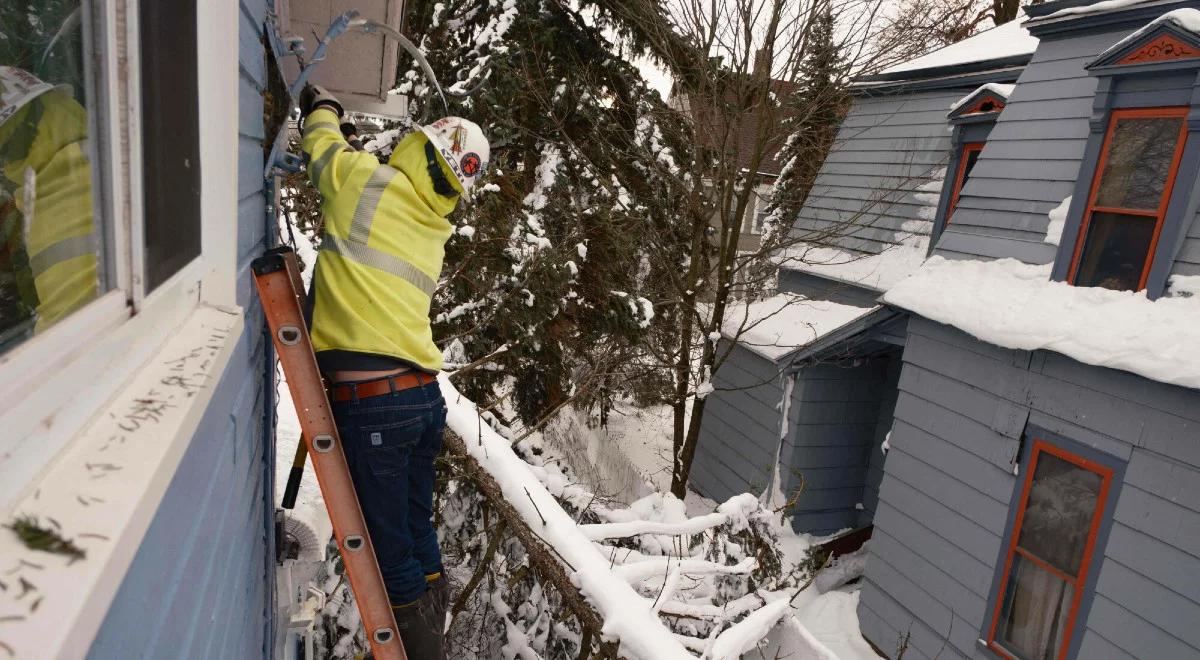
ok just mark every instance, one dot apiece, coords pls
pixel 421 628
pixel 440 588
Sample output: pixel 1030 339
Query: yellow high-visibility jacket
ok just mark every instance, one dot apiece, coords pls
pixel 385 237
pixel 43 154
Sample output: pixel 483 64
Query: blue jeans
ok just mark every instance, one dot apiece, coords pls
pixel 391 442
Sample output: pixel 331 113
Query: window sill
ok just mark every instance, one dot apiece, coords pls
pixel 104 488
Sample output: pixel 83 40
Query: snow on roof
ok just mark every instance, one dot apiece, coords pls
pixel 786 322
pixel 1003 91
pixel 1008 40
pixel 1016 305
pixel 1187 20
pixel 1097 8
pixel 878 272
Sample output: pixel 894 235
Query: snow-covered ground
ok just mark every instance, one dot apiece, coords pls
pixel 629 460
pixel 830 618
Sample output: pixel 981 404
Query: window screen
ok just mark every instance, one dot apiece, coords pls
pixel 1048 559
pixel 170 149
pixel 1129 198
pixel 51 238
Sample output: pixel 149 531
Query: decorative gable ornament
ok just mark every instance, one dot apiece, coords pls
pixel 986 100
pixel 1164 48
pixel 1173 36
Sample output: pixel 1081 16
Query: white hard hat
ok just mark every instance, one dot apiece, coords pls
pixel 18 87
pixel 462 145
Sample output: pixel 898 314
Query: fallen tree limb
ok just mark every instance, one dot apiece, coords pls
pixel 541 558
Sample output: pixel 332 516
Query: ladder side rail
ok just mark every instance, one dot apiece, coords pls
pixel 275 276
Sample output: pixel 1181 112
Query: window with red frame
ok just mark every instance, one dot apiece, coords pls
pixel 966 162
pixel 1049 554
pixel 1129 197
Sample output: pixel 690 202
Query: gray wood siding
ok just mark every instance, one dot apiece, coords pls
pixel 886 148
pixel 1033 155
pixel 875 455
pixel 947 486
pixel 740 431
pixel 834 420
pixel 202 583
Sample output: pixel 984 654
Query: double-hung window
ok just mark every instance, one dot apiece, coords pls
pixel 1128 201
pixel 968 156
pixel 53 257
pixel 1131 207
pixel 102 257
pixel 1050 554
pixel 971 121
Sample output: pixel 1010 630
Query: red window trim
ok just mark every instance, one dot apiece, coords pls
pixel 977 107
pixel 960 176
pixel 1076 582
pixel 1159 214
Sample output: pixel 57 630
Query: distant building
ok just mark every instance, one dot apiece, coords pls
pixel 1041 474
pixel 739 142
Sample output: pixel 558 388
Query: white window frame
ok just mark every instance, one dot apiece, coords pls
pixel 53 384
pixel 65 389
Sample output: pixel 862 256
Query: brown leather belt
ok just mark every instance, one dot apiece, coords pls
pixel 381 386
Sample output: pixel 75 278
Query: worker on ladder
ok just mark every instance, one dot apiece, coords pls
pixel 378 266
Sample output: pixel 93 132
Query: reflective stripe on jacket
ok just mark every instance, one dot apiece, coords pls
pixel 44 156
pixel 385 237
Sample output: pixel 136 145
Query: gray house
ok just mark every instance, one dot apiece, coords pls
pixel 1040 493
pixel 825 350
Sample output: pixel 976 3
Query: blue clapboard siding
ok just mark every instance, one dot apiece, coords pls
pixel 201 586
pixel 943 501
pixel 1033 155
pixel 886 148
pixel 740 432
pixel 834 421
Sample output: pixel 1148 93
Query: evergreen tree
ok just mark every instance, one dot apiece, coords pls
pixel 815 111
pixel 547 270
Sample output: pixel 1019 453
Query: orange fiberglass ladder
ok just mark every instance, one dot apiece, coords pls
pixel 281 290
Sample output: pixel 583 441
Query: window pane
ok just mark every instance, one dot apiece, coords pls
pixel 50 233
pixel 1059 512
pixel 972 158
pixel 1036 605
pixel 1115 251
pixel 1139 161
pixel 170 133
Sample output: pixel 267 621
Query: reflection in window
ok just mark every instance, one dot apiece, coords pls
pixel 1046 565
pixel 50 242
pixel 1129 199
pixel 170 138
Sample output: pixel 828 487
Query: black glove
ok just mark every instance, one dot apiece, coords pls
pixel 315 96
pixel 350 132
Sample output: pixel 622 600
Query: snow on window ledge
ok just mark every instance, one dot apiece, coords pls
pixel 1016 305
pixel 102 491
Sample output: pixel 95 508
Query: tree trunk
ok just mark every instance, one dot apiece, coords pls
pixel 1005 10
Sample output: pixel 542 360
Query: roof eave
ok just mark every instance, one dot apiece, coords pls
pixel 1000 70
pixel 1042 22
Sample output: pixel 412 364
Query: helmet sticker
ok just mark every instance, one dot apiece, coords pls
pixel 457 136
pixel 470 164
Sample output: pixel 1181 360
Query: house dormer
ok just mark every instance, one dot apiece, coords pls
pixel 1128 218
pixel 971 120
pixel 983 104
